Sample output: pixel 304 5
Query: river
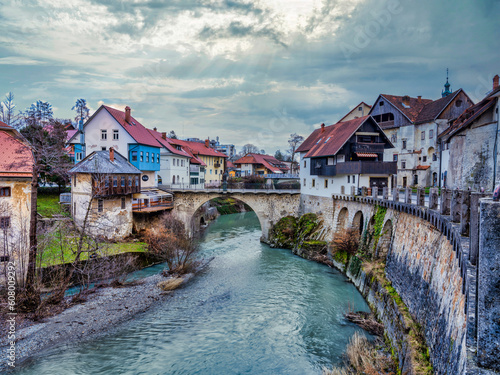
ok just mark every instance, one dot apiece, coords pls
pixel 254 310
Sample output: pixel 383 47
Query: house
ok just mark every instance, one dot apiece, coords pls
pixel 362 109
pixel 342 158
pixel 175 162
pixel 259 164
pixel 470 146
pixel 109 127
pixel 16 172
pixel 227 149
pixel 412 125
pixel 232 170
pixel 212 162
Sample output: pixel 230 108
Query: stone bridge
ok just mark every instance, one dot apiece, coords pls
pixel 269 205
pixel 442 255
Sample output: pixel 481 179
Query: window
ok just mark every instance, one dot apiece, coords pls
pixel 74 181
pixel 458 103
pixel 403 165
pixel 5 191
pixel 313 182
pixel 395 157
pixel 103 148
pixel 142 156
pixel 304 182
pixel 130 181
pixel 122 181
pixel 360 108
pixel 123 203
pixel 106 182
pixel 100 205
pixel 431 134
pixel 4 222
pixel 348 179
pixel 434 157
pixel 340 158
pixel 134 155
pixel 115 181
pixel 136 180
pixel 158 158
pixel 147 157
pixel 115 134
pixel 305 164
pixel 424 159
pixel 394 137
pixel 422 135
pixel 104 135
pixel 326 184
pixel 381 103
pixel 174 162
pixel 353 179
pixel 330 161
pixel 78 156
pixel 404 145
pixel 160 180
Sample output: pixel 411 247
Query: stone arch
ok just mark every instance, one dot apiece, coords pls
pixel 358 221
pixel 342 218
pixel 384 242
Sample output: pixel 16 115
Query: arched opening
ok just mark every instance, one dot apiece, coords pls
pixel 202 220
pixel 384 242
pixel 342 219
pixel 358 221
pixel 160 180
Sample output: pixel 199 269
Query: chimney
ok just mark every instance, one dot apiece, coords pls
pixel 495 82
pixel 164 135
pixel 207 143
pixel 127 114
pixel 111 154
pixel 322 127
pixel 155 129
pixel 419 98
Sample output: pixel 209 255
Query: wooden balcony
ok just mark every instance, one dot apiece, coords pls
pixel 367 167
pixel 108 191
pixel 368 147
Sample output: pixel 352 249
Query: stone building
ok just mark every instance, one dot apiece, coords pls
pixel 342 158
pixel 470 146
pixel 362 109
pixel 16 172
pixel 413 125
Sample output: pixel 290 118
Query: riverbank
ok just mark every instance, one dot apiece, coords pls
pixel 103 310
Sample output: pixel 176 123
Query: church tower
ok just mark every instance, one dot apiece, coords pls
pixel 447 91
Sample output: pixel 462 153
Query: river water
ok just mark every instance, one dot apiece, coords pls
pixel 254 310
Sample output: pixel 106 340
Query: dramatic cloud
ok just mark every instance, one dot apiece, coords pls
pixel 246 71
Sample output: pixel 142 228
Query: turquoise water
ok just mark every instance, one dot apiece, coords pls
pixel 254 310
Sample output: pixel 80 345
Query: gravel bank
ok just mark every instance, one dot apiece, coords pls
pixel 103 310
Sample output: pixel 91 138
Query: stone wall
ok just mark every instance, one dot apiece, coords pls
pixel 424 270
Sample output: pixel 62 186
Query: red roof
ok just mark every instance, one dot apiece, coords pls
pixel 134 127
pixel 328 140
pixel 411 110
pixel 16 159
pixel 198 148
pixel 268 161
pixel 167 144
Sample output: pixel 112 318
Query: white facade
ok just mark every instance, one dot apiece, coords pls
pixel 174 169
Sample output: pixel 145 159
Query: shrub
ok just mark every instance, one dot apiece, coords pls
pixel 346 242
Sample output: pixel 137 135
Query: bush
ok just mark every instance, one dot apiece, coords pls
pixel 346 242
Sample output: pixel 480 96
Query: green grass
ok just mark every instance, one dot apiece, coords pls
pixel 59 251
pixel 48 205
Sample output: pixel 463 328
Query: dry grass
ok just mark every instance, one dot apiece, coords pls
pixel 170 284
pixel 363 358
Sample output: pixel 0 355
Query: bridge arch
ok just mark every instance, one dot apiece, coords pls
pixel 269 206
pixel 358 221
pixel 342 219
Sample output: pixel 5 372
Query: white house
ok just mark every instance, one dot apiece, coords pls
pixel 342 158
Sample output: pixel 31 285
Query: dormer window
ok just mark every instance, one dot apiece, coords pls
pixel 319 140
pixel 328 139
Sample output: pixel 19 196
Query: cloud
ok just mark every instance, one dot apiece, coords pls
pixel 19 60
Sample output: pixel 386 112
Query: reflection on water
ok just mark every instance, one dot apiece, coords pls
pixel 254 310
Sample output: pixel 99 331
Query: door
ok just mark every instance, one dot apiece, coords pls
pixel 379 182
pixel 404 182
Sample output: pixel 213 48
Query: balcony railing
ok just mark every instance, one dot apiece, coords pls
pixel 103 191
pixel 217 165
pixel 367 167
pixel 323 170
pixel 194 168
pixel 368 147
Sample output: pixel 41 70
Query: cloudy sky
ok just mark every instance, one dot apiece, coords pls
pixel 246 71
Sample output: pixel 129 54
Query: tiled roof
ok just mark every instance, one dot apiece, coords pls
pixel 134 127
pixel 268 161
pixel 167 144
pixel 412 110
pixel 468 117
pixel 198 148
pixel 99 162
pixel 16 159
pixel 433 109
pixel 330 139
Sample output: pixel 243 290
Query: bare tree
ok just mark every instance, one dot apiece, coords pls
pixel 249 149
pixel 294 141
pixel 7 108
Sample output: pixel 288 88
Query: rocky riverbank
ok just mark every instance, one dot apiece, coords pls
pixel 103 310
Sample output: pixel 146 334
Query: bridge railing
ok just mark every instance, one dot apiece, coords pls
pixel 231 186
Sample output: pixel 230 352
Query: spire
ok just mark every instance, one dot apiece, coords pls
pixel 447 91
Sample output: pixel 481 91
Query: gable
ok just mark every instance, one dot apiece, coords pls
pixel 398 118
